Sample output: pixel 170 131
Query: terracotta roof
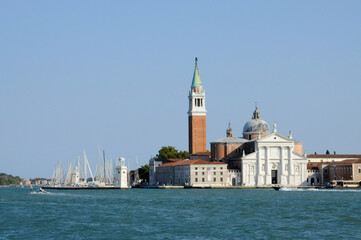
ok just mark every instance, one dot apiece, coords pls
pixel 315 164
pixel 349 161
pixel 333 156
pixel 201 154
pixel 175 159
pixel 189 162
pixel 170 164
pixel 199 161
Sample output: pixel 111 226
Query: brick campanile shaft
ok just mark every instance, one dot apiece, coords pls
pixel 197 115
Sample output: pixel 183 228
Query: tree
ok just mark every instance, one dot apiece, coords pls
pixel 6 179
pixel 334 152
pixel 144 173
pixel 171 152
pixel 327 152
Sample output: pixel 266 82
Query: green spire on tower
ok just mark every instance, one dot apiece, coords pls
pixel 196 78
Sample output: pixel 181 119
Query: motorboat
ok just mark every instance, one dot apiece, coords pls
pixel 276 187
pixel 282 188
pixel 40 190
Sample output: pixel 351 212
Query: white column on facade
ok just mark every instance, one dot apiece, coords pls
pixel 284 173
pixel 259 168
pixel 244 166
pixel 290 166
pixel 249 174
pixel 291 162
pixel 259 164
pixel 282 162
pixel 304 173
pixel 268 167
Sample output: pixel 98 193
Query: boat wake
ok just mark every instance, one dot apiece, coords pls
pixel 288 189
pixel 333 190
pixel 41 193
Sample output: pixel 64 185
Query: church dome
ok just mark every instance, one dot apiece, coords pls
pixel 255 127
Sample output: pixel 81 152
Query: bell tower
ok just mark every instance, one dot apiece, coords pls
pixel 197 115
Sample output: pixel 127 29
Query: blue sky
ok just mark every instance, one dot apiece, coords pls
pixel 75 74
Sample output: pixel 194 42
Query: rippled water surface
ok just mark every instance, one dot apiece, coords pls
pixel 180 214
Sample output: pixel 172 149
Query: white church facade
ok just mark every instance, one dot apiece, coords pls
pixel 274 162
pixel 263 158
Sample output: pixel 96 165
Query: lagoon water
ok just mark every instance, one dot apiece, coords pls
pixel 180 214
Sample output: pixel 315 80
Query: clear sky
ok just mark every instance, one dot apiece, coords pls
pixel 75 74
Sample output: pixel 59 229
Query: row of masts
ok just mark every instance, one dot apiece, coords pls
pixel 76 173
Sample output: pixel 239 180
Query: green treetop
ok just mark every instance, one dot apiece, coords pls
pixel 171 152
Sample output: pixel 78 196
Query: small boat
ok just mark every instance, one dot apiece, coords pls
pixel 283 188
pixel 40 190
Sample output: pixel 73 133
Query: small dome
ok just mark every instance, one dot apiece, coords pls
pixel 255 126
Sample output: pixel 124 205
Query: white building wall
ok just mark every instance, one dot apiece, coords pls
pixel 121 177
pixel 207 175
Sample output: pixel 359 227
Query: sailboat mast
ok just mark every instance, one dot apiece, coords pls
pixel 79 167
pixel 85 167
pixel 104 167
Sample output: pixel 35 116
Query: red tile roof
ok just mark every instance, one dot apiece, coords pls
pixel 315 164
pixel 199 161
pixel 349 161
pixel 175 159
pixel 189 162
pixel 170 164
pixel 201 154
pixel 333 156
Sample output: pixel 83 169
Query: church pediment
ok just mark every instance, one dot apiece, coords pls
pixel 275 137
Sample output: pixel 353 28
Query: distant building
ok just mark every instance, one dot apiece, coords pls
pixel 195 173
pixel 331 157
pixel 39 181
pixel 25 182
pixel 325 168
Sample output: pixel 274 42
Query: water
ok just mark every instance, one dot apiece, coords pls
pixel 180 214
